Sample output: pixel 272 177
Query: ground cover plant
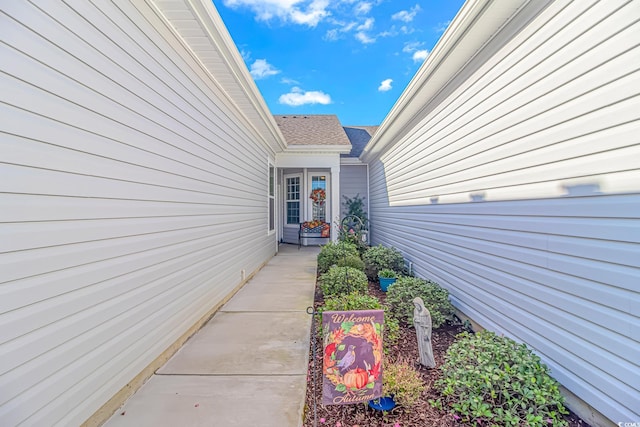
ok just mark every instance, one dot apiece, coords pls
pixel 332 253
pixel 402 381
pixel 351 261
pixel 380 257
pixel 401 294
pixel 492 380
pixel 342 280
pixel 424 402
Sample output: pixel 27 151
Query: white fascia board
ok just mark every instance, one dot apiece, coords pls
pixel 307 160
pixel 475 25
pixel 350 161
pixel 212 25
pixel 339 149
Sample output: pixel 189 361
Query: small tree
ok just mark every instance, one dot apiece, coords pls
pixel 355 206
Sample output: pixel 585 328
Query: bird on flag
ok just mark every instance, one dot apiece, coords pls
pixel 348 359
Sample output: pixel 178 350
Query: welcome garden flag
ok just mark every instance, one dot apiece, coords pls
pixel 352 362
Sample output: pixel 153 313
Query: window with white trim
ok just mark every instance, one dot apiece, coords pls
pixel 293 199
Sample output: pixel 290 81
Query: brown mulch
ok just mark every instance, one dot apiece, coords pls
pixel 361 415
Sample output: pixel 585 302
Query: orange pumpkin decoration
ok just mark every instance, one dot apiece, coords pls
pixel 356 378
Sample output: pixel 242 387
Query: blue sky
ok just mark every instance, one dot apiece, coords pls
pixel 352 58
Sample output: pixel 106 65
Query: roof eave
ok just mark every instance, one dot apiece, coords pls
pixel 350 161
pixel 212 25
pixel 231 53
pixel 475 25
pixel 338 149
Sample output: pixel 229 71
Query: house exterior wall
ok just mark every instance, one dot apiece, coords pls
pixel 520 193
pixel 353 181
pixel 133 194
pixel 290 232
pixel 309 162
pixel 290 235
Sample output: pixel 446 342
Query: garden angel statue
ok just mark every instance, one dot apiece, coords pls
pixel 422 323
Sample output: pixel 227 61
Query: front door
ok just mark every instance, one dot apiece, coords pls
pixel 319 209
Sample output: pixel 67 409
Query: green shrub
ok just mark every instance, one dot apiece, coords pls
pixel 355 239
pixel 387 274
pixel 351 301
pixel 343 280
pixel 379 257
pixel 492 380
pixel 354 223
pixel 351 261
pixel 331 253
pixel 401 380
pixel 401 294
pixel 355 206
pixel 356 301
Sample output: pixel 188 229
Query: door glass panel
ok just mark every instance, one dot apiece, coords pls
pixel 319 207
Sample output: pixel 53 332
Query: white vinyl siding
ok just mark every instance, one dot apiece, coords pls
pixel 353 182
pixel 130 184
pixel 520 193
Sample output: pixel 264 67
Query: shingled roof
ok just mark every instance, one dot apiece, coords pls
pixel 359 137
pixel 312 130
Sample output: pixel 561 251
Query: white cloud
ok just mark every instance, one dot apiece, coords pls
pixel 385 85
pixel 420 55
pixel 364 38
pixel 361 35
pixel 303 12
pixel 411 47
pixel 348 27
pixel 315 13
pixel 391 32
pixel 363 8
pixel 442 26
pixel 407 30
pixel 261 69
pixel 299 97
pixel 332 35
pixel 288 81
pixel 415 50
pixel 366 25
pixel 406 15
pixel 336 33
pixel 246 55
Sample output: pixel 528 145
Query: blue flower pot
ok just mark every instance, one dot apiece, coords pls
pixel 383 404
pixel 386 282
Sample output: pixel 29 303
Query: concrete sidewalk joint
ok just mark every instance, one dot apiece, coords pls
pixel 248 365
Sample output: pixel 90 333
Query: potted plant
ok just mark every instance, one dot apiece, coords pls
pixel 387 278
pixel 401 384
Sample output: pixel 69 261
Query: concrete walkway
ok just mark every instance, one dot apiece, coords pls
pixel 247 366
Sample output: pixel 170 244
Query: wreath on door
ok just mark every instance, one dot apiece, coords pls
pixel 318 196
